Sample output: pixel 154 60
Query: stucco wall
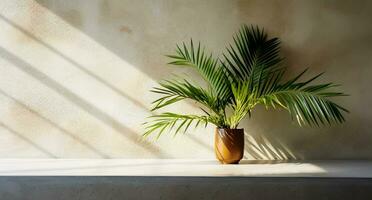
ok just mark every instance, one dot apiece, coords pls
pixel 75 75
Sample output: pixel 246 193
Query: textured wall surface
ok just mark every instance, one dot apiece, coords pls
pixel 75 75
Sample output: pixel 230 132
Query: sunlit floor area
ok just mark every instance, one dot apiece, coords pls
pixel 183 179
pixel 183 167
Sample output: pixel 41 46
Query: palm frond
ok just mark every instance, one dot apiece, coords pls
pixel 208 67
pixel 169 121
pixel 308 104
pixel 252 49
pixel 174 91
pixel 242 103
pixel 247 94
pixel 251 73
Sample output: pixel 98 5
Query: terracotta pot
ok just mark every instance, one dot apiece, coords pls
pixel 229 145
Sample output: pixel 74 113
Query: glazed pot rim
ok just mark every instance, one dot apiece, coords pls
pixel 229 128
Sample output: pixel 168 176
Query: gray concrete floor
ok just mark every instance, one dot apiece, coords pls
pixel 178 188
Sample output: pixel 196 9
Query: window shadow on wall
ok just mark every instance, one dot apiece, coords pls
pixel 86 106
pixel 104 35
pixel 74 63
pixel 74 97
pixel 55 125
pixel 257 147
pixel 29 141
pixel 114 32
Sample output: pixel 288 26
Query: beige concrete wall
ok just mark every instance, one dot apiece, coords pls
pixel 75 75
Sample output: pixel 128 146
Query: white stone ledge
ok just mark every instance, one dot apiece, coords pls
pixel 172 167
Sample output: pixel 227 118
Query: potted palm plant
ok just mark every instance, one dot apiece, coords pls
pixel 250 72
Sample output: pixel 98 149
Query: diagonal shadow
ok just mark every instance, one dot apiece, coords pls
pixel 95 150
pixel 45 151
pixel 103 35
pixel 80 67
pixel 261 147
pixel 74 63
pixel 73 98
pixel 197 141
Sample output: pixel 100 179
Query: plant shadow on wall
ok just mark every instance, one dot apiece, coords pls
pixel 250 73
pixel 261 147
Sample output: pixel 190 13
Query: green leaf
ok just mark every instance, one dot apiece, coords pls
pixel 249 73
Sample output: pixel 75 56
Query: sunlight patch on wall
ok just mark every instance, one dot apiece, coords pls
pixel 67 82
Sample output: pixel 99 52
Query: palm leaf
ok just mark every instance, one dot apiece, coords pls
pixel 252 51
pixel 174 91
pixel 169 121
pixel 208 67
pixel 250 74
pixel 308 104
